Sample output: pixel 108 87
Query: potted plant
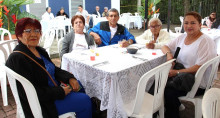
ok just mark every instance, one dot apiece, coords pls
pixel 151 12
pixel 10 11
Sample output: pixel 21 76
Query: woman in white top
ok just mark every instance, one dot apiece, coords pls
pixel 154 37
pixel 196 49
pixel 76 39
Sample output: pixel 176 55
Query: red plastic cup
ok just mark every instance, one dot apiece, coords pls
pixel 92 58
pixel 154 53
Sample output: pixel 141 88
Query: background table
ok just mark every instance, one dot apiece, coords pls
pixel 115 82
pixel 215 35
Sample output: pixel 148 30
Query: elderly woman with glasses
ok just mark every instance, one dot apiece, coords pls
pixel 154 37
pixel 29 63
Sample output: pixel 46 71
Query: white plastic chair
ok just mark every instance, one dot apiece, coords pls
pixel 211 103
pixel 181 20
pixel 178 29
pixel 3 32
pixel 136 14
pixel 6 48
pixel 48 39
pixel 212 66
pixel 59 45
pixel 146 104
pixel 156 15
pixel 30 93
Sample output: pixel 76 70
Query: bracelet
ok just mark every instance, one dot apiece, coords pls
pixel 178 72
pixel 168 52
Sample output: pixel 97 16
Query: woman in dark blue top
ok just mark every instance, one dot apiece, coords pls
pixel 54 100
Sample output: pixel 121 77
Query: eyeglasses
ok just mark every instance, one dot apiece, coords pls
pixel 155 27
pixel 213 14
pixel 37 31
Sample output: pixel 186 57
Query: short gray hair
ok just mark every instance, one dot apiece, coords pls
pixel 155 19
pixel 106 8
pixel 112 10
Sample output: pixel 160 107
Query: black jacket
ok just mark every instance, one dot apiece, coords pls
pixel 216 23
pixel 38 77
pixel 59 14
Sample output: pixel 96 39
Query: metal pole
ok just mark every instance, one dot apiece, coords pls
pixel 146 14
pixel 168 18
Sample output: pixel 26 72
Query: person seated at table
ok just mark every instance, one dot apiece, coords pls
pixel 96 12
pixel 216 24
pixel 76 39
pixel 110 32
pixel 154 37
pixel 104 14
pixel 48 15
pixel 212 18
pixel 196 49
pixel 86 16
pixel 62 13
pixel 54 99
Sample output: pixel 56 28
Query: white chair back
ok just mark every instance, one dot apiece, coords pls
pixel 30 93
pixel 6 48
pixel 160 73
pixel 3 32
pixel 59 45
pixel 181 20
pixel 156 15
pixel 136 14
pixel 211 67
pixel 48 39
pixel 211 103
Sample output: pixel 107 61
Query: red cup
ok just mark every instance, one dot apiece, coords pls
pixel 92 58
pixel 154 53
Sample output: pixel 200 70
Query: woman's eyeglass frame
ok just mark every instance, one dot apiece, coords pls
pixel 37 31
pixel 155 27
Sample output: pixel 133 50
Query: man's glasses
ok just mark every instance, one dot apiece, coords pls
pixel 155 27
pixel 213 14
pixel 37 31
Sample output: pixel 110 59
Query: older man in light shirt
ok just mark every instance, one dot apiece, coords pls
pixel 85 14
pixel 48 15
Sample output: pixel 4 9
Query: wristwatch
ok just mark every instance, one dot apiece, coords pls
pixel 129 41
pixel 178 72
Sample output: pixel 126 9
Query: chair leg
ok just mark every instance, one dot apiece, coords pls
pixel 4 90
pixel 161 111
pixel 198 108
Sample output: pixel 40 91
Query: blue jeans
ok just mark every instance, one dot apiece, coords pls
pixel 77 102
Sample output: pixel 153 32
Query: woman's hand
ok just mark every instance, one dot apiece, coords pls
pixel 67 90
pixel 97 38
pixel 172 73
pixel 150 45
pixel 74 84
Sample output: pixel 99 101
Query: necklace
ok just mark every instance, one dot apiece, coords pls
pixel 190 39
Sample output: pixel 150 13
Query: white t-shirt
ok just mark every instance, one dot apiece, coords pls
pixel 84 13
pixel 197 53
pixel 47 16
pixel 80 42
pixel 113 31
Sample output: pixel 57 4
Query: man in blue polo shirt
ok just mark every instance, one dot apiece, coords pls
pixel 110 32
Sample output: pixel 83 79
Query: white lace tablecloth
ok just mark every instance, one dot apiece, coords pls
pixel 114 82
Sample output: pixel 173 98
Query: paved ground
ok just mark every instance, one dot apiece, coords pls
pixel 10 110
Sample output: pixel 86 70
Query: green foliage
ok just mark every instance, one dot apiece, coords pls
pixel 14 7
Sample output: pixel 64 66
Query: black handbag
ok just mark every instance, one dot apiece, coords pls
pixel 183 81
